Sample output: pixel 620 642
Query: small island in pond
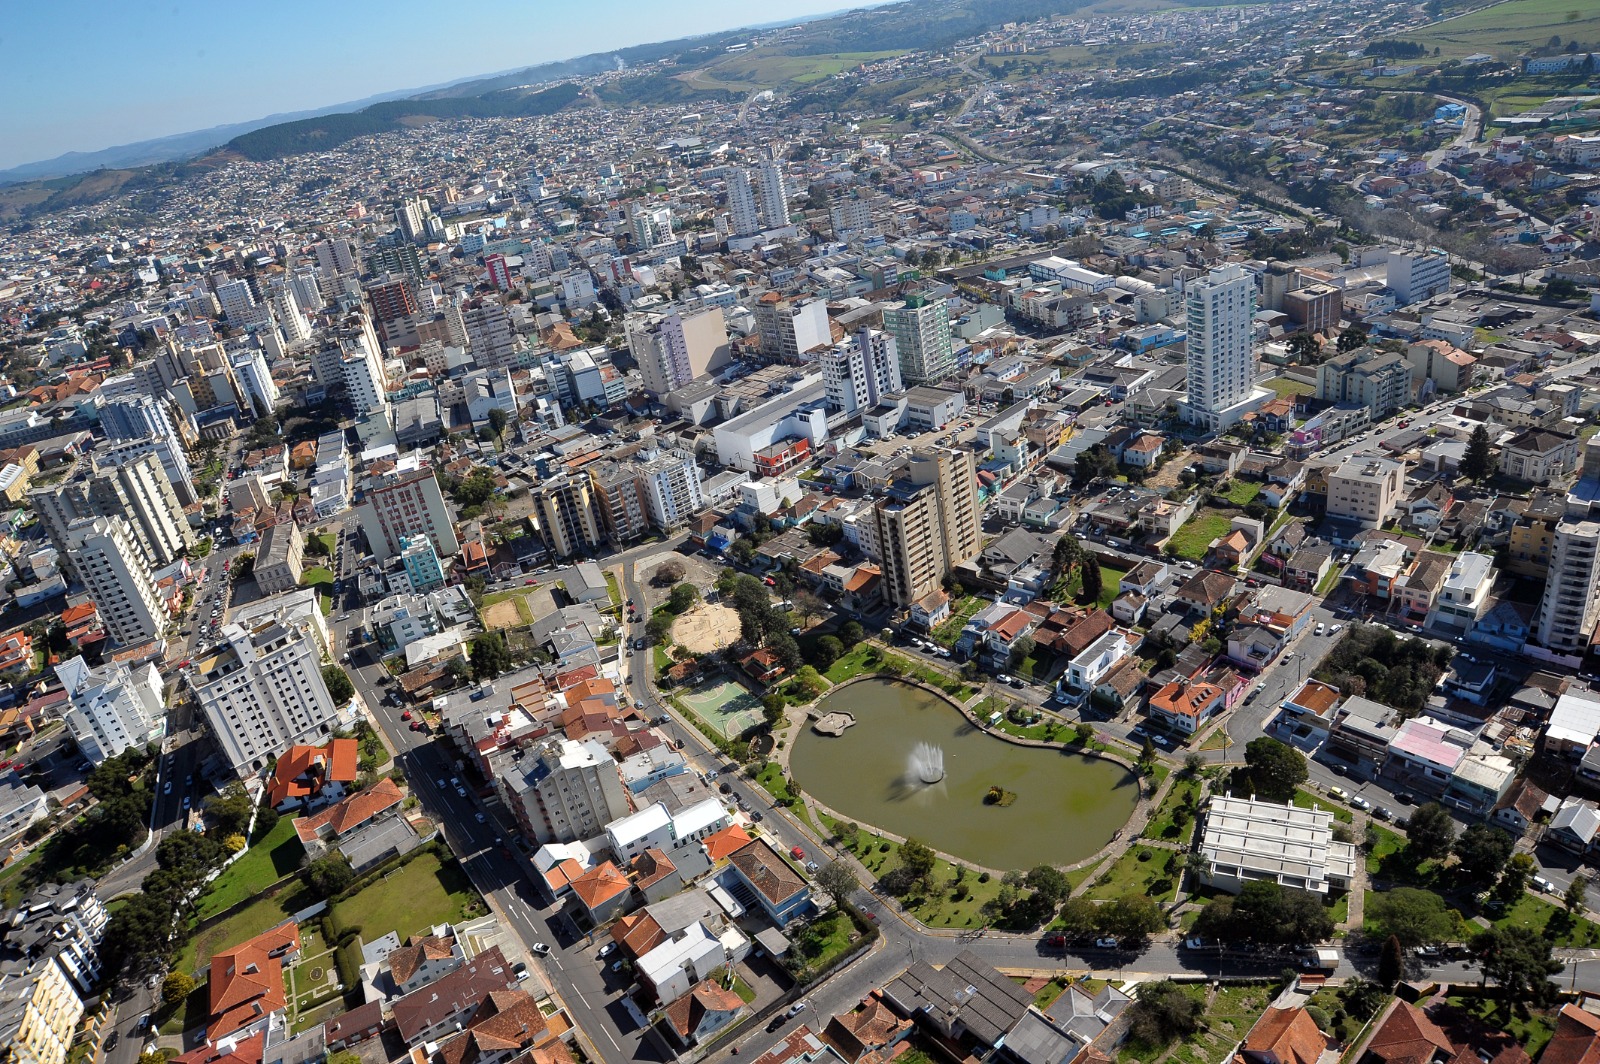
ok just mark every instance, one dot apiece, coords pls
pixel 999 796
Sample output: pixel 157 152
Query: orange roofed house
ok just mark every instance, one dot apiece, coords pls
pixel 313 776
pixel 247 994
pixel 1283 1036
pixel 1186 706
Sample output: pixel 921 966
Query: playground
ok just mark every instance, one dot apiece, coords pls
pixel 728 708
pixel 707 628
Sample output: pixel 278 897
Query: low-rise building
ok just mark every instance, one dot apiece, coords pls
pixel 1245 840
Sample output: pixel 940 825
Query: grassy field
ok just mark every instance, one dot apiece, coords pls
pixel 1164 824
pixel 268 861
pixel 1552 922
pixel 1388 843
pixel 315 575
pixel 1306 800
pixel 1229 1013
pixel 1240 492
pixel 949 904
pixel 1511 29
pixel 1155 877
pixel 416 896
pixel 244 925
pixel 1285 386
pixel 770 68
pixel 1194 538
pixel 1531 1031
pixel 950 631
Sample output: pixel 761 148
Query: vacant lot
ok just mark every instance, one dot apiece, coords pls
pixel 706 629
pixel 409 899
pixel 268 861
pixel 1194 538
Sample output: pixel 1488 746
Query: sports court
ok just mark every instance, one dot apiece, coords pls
pixel 728 708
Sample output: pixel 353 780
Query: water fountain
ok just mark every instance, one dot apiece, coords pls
pixel 926 763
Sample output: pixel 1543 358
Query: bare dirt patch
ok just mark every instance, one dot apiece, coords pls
pixel 706 629
pixel 502 615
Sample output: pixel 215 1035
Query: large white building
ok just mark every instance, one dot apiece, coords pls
pixel 672 488
pixel 860 371
pixel 774 196
pixel 921 331
pixel 1365 490
pixel 407 502
pixel 1418 275
pixel 490 336
pixel 1571 604
pixel 568 791
pixel 747 441
pixel 254 379
pixel 673 349
pixel 108 560
pixel 129 485
pixel 792 329
pixel 742 210
pixel 1222 366
pixel 113 707
pixel 261 690
pixel 1247 840
pixel 237 301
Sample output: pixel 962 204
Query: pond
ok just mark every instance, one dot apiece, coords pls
pixel 1066 806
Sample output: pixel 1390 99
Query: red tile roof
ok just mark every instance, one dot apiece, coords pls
pixel 248 1051
pixel 247 981
pixel 721 844
pixel 1577 1038
pixel 599 885
pixel 1284 1036
pixel 1407 1036
pixel 303 771
pixel 350 813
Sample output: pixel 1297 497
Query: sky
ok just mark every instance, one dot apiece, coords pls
pixel 91 74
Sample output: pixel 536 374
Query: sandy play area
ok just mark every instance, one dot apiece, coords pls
pixel 503 614
pixel 706 629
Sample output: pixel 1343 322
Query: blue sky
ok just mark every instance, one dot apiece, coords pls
pixel 90 74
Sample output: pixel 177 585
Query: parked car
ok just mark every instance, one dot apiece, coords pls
pixel 540 949
pixel 797 853
pixel 1106 942
pixel 1359 802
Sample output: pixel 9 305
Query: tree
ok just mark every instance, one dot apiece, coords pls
pixel 1161 1012
pixel 827 651
pixel 138 935
pixel 1275 769
pixel 1131 916
pixel 230 811
pixel 851 633
pixel 497 422
pixel 682 597
pixel 327 876
pixel 340 689
pixel 490 656
pixel 1391 963
pixel 1514 880
pixel 1430 832
pixel 1518 960
pixel 1414 917
pixel 918 861
pixel 1577 893
pixel 1477 464
pixel 188 855
pixel 1304 348
pixel 837 880
pixel 1351 339
pixel 1093 582
pixel 1048 883
pixel 772 710
pixel 1078 917
pixel 1481 853
pixel 668 573
pixel 788 651
pixel 266 819
pixel 176 987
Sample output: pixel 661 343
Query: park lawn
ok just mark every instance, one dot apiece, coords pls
pixel 863 657
pixel 326 540
pixel 1388 843
pixel 1306 800
pixel 1164 825
pixel 1531 1031
pixel 1339 908
pixel 1551 921
pixel 1193 540
pixel 1129 875
pixel 826 938
pixel 662 660
pixel 415 896
pixel 262 865
pixel 939 907
pixel 315 575
pixel 1287 386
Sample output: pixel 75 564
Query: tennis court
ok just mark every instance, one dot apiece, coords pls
pixel 728 708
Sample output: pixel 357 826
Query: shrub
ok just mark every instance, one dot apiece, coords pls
pixel 983 877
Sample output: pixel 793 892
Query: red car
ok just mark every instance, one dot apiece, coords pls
pixel 406 715
pixel 530 583
pixel 769 581
pixel 797 853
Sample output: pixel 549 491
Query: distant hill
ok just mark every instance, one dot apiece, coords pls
pixel 329 131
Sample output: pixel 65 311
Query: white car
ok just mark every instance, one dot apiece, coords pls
pixel 1359 802
pixel 480 818
pixel 540 949
pixel 1322 629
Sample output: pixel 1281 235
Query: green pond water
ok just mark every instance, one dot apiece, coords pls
pixel 1067 806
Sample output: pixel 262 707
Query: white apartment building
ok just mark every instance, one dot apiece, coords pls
pixel 1464 595
pixel 672 488
pixel 791 329
pixel 742 210
pixel 568 792
pixel 286 308
pixel 1418 275
pixel 860 371
pixel 109 562
pixel 1246 840
pixel 262 690
pixel 1570 604
pixel 237 301
pixel 921 331
pixel 1219 318
pixel 407 502
pixel 254 379
pixel 490 336
pixel 112 707
pixel 1365 490
pixel 850 215
pixel 774 196
pixel 335 258
pixel 673 349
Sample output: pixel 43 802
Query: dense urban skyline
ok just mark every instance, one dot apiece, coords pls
pixel 138 74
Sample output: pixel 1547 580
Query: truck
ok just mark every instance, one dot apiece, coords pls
pixel 1319 958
